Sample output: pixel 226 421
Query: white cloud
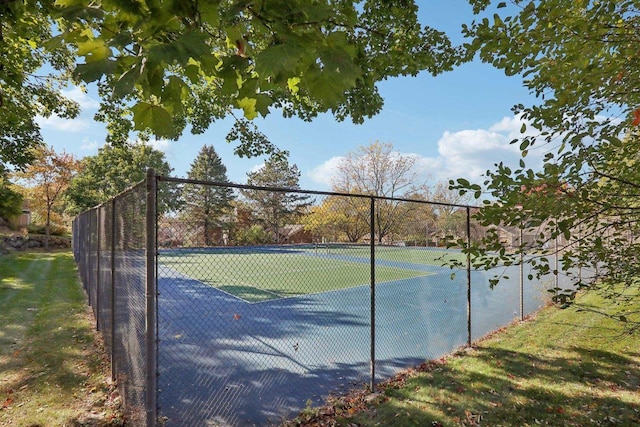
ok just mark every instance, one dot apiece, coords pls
pixel 324 173
pixel 163 145
pixel 63 125
pixel 256 168
pixel 463 154
pixel 81 97
pixel 90 145
pixel 469 153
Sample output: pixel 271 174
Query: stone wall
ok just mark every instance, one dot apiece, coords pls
pixel 21 243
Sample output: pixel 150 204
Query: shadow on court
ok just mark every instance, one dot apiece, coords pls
pixel 226 362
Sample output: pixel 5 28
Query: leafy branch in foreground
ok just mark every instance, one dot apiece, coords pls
pixel 580 60
pixel 175 64
pixel 26 89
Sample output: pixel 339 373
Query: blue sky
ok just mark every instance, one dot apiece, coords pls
pixel 457 124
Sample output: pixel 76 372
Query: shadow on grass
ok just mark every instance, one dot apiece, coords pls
pixel 48 364
pixel 505 387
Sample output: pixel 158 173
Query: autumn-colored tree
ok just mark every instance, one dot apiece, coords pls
pixel 378 170
pixel 46 179
pixel 338 218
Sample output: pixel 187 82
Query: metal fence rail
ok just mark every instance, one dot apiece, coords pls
pixel 242 314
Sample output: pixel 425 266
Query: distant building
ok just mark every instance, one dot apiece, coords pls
pixel 25 217
pixel 294 233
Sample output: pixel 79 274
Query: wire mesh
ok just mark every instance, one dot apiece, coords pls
pixel 259 322
pixel 422 316
pixel 264 309
pixel 129 298
pixel 109 248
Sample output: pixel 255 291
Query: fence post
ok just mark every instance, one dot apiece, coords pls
pixel 468 277
pixel 150 330
pixel 112 314
pixel 521 273
pixel 98 254
pixel 372 250
pixel 556 266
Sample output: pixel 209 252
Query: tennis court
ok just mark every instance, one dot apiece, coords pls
pixel 251 335
pixel 258 274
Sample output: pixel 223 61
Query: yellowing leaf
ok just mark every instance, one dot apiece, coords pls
pixel 293 83
pixel 248 105
pixel 93 50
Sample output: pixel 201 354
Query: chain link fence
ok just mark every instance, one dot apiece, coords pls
pixel 232 305
pixel 109 245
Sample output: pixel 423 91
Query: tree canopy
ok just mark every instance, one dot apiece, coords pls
pixel 205 205
pixel 10 200
pixel 275 208
pixel 378 170
pixel 110 172
pixel 166 65
pixel 46 181
pixel 580 59
pixel 28 90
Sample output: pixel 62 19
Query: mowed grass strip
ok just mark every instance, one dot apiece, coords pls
pixel 52 367
pixel 562 368
pixel 264 276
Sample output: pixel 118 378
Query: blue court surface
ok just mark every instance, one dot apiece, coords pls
pixel 226 362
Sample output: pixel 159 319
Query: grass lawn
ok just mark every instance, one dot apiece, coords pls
pixel 257 277
pixel 562 368
pixel 53 371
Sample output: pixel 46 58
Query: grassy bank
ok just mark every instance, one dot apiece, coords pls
pixel 53 370
pixel 563 368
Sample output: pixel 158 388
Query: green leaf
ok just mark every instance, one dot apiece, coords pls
pixel 93 50
pixel 125 84
pixel 155 117
pixel 281 59
pixel 94 71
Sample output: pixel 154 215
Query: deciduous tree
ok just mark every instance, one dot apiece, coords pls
pixel 10 200
pixel 111 171
pixel 174 63
pixel 46 179
pixel 339 218
pixel 580 59
pixel 378 170
pixel 27 88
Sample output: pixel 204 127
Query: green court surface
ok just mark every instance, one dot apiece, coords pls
pixel 264 275
pixel 405 254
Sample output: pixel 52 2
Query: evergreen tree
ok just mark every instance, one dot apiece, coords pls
pixel 205 206
pixel 275 208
